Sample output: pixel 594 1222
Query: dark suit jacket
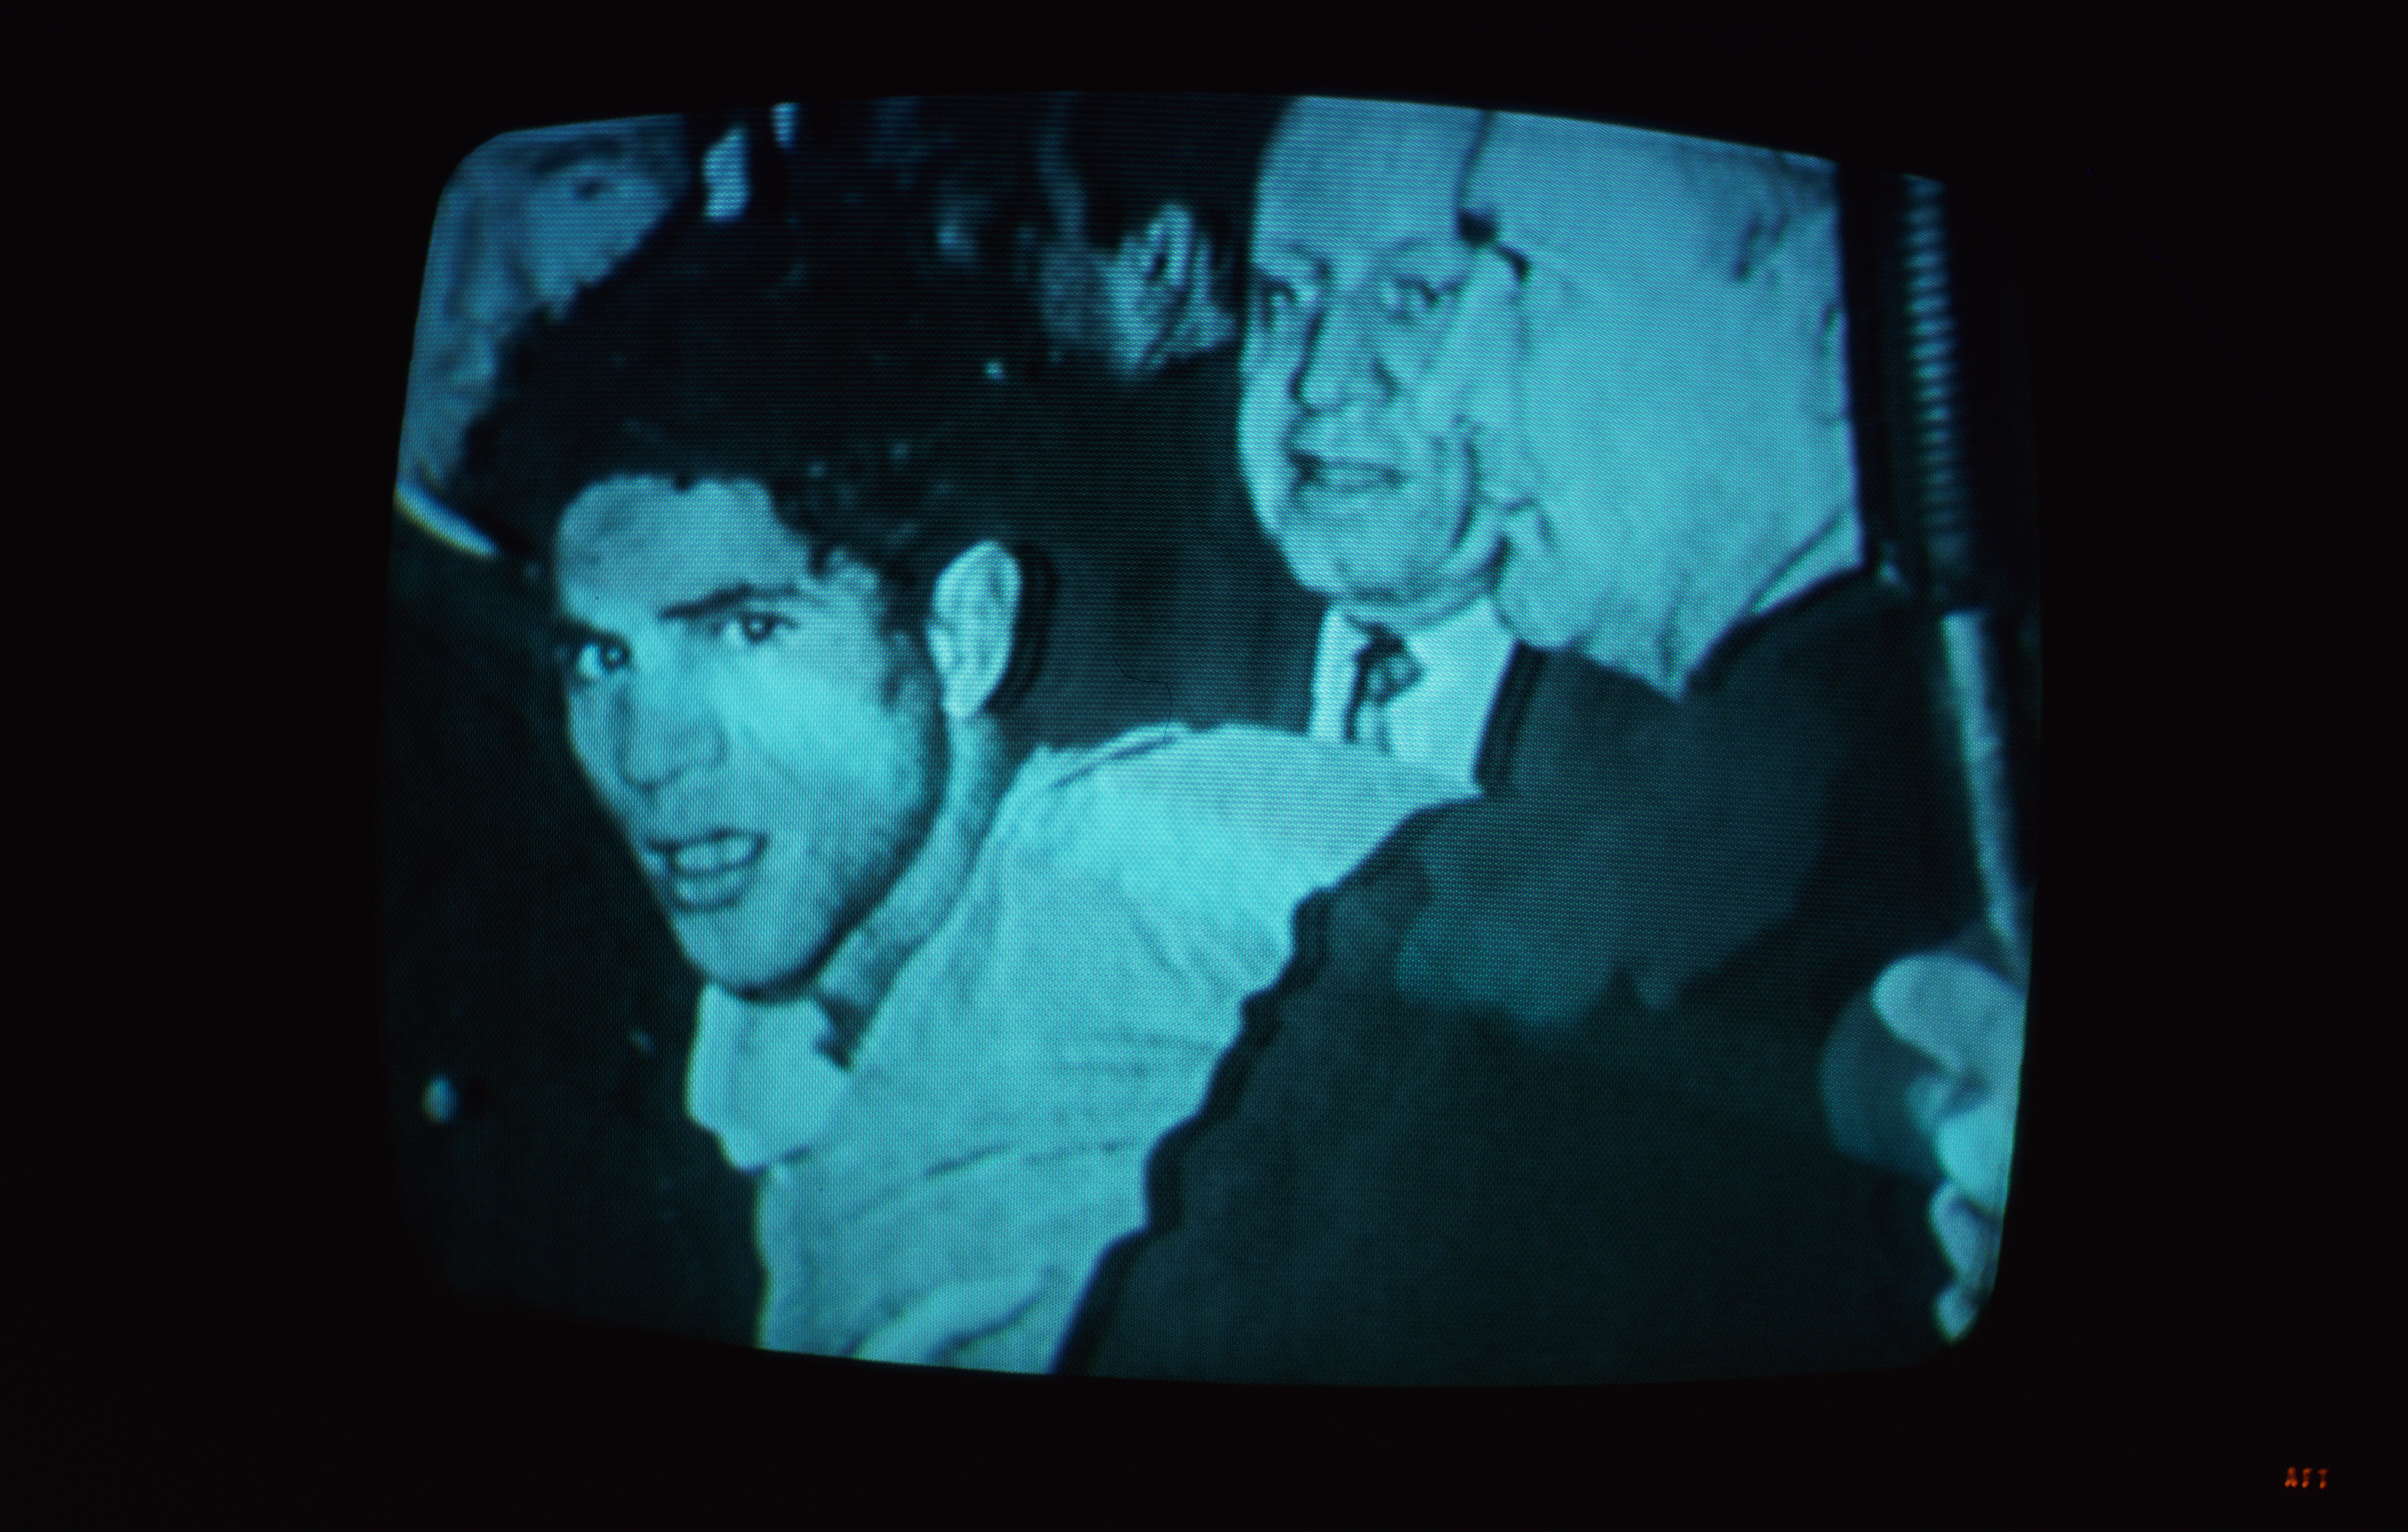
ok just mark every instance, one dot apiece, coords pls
pixel 1537 1098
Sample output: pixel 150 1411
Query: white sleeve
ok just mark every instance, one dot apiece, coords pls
pixel 1245 822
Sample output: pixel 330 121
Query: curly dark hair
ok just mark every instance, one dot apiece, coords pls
pixel 890 419
pixel 863 346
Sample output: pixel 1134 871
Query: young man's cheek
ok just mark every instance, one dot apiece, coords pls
pixel 589 744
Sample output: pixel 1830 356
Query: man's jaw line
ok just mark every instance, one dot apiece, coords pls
pixel 871 939
pixel 1409 615
pixel 805 978
pixel 1405 611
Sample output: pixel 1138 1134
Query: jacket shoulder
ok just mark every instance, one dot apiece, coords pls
pixel 1235 814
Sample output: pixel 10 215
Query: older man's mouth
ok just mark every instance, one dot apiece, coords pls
pixel 705 872
pixel 1324 475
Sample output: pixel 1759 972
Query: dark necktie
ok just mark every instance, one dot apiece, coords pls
pixel 1383 668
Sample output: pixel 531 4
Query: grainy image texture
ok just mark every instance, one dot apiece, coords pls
pixel 1211 738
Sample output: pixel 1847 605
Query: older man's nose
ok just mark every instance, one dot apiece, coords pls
pixel 1341 365
pixel 661 740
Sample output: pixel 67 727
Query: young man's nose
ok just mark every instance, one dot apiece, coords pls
pixel 662 738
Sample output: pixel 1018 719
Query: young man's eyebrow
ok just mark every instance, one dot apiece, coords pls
pixel 561 628
pixel 728 597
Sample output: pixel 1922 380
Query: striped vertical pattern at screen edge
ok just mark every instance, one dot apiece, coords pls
pixel 1935 431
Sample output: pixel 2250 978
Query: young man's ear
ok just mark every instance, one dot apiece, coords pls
pixel 972 613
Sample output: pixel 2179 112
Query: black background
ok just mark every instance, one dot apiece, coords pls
pixel 2190 1300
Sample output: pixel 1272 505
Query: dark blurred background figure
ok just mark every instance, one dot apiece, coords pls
pixel 533 1016
pixel 537 1018
pixel 1120 220
pixel 1148 198
pixel 1152 199
pixel 529 221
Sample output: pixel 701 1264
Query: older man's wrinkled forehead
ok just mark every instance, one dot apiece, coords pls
pixel 1362 174
pixel 1613 202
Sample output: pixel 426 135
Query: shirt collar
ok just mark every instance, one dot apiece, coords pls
pixel 761 1077
pixel 1472 637
pixel 1440 720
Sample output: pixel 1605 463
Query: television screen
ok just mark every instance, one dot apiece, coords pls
pixel 1213 738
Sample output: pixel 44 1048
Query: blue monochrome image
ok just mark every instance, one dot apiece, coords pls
pixel 1209 738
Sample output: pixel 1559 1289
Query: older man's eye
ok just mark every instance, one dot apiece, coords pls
pixel 1274 301
pixel 1415 298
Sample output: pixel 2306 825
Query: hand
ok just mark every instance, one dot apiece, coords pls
pixel 939 1323
pixel 1970 1023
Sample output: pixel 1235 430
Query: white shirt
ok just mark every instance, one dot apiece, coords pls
pixel 1438 721
pixel 945 1199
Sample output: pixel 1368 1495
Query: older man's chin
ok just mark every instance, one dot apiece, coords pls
pixel 1320 565
pixel 1532 613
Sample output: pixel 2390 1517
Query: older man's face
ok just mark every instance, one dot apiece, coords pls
pixel 1681 389
pixel 1357 270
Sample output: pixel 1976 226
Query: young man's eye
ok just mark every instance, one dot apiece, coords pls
pixel 591 659
pixel 752 628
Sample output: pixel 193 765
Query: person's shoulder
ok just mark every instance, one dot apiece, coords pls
pixel 1059 772
pixel 1235 811
pixel 1834 630
pixel 1251 780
